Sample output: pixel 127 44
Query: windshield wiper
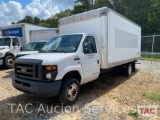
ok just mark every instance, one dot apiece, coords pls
pixel 58 51
pixel 42 51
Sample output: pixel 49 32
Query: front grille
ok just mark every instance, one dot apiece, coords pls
pixel 30 71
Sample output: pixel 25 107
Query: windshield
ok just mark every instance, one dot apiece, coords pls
pixel 34 46
pixel 66 43
pixel 5 42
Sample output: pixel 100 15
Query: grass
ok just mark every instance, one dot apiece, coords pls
pixel 133 113
pixel 155 97
pixel 150 57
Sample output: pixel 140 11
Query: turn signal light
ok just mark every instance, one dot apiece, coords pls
pixel 50 68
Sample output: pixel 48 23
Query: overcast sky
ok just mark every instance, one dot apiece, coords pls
pixel 14 10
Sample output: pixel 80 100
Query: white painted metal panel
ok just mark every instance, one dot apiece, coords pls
pixel 124 39
pixel 29 27
pixel 0 33
pixel 44 34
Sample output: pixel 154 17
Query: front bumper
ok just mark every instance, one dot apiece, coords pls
pixel 1 61
pixel 37 88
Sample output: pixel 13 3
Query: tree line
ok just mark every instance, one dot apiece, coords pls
pixel 145 13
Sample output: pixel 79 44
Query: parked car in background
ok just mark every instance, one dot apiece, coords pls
pixel 31 48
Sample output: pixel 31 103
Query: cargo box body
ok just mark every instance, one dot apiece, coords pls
pixel 119 39
pixel 43 34
pixel 20 30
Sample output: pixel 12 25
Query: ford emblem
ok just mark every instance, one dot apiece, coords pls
pixel 24 70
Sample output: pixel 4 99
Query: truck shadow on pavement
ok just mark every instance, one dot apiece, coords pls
pixel 1 68
pixel 9 74
pixel 89 92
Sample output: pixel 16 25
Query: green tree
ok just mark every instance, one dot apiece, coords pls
pixel 36 20
pixel 27 19
pixel 87 4
pixel 79 8
pixel 13 23
pixel 103 3
pixel 146 13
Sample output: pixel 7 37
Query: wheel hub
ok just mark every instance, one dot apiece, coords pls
pixel 130 70
pixel 72 92
pixel 10 62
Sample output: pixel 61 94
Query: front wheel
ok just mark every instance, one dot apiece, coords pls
pixel 69 91
pixel 9 62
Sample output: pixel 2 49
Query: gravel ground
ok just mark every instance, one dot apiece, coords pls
pixel 110 97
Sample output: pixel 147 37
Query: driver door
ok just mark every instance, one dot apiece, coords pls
pixel 90 59
pixel 16 46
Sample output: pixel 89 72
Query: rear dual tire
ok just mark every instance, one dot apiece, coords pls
pixel 130 68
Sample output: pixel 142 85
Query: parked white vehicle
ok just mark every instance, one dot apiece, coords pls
pixel 9 47
pixel 38 38
pixel 15 37
pixel 31 48
pixel 93 42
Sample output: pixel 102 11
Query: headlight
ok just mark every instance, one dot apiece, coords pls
pixel 51 68
pixel 50 71
pixel 48 76
pixel 1 54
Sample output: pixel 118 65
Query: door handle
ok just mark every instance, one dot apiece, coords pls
pixel 76 58
pixel 97 61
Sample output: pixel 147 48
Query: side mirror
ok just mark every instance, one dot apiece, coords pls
pixel 21 48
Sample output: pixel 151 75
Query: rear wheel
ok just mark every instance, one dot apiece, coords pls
pixel 129 70
pixel 133 67
pixel 9 62
pixel 69 91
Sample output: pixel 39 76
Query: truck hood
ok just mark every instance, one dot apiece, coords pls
pixel 51 58
pixel 4 47
pixel 27 52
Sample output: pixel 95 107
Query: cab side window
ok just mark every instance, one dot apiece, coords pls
pixel 89 45
pixel 15 42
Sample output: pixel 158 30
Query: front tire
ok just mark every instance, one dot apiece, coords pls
pixel 9 62
pixel 69 91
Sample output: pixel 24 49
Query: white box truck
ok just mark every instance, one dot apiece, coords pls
pixel 14 37
pixel 92 42
pixel 38 38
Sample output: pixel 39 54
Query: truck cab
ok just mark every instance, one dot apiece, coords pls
pixel 66 61
pixel 9 47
